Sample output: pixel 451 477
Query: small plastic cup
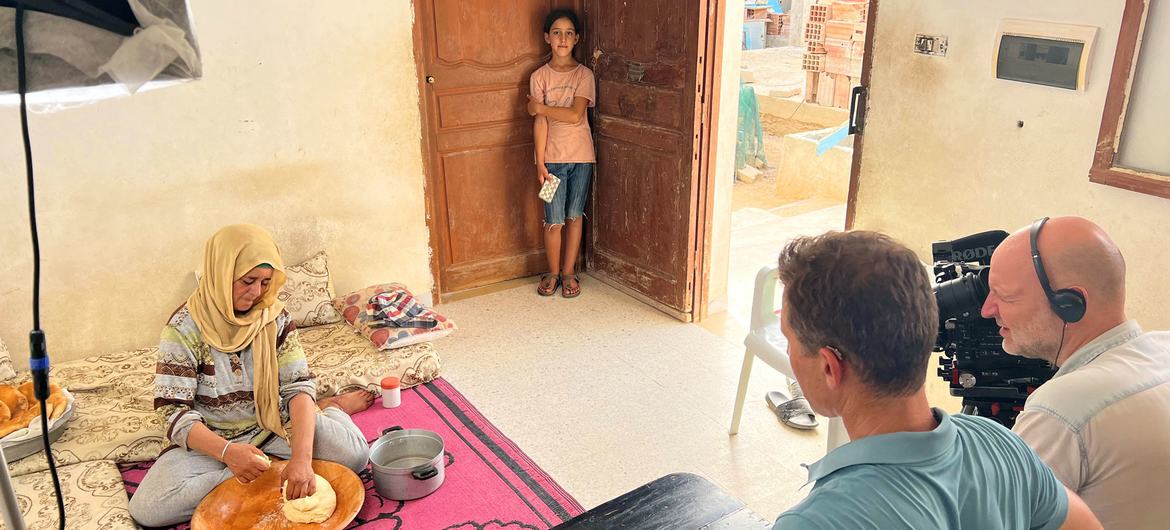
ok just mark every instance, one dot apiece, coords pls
pixel 391 392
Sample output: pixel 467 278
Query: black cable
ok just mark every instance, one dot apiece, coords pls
pixel 22 86
pixel 39 359
pixel 1056 357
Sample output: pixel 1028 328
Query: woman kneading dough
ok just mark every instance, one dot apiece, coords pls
pixel 233 383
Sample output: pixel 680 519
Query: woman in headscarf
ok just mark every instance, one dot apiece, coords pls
pixel 233 383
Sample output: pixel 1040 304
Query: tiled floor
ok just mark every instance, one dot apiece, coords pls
pixel 606 393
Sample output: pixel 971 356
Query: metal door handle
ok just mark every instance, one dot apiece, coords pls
pixel 430 79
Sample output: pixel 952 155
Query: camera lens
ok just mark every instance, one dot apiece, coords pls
pixel 962 295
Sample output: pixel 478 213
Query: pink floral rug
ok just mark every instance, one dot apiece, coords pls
pixel 490 483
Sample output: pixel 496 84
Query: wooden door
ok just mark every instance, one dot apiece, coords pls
pixel 648 61
pixel 475 58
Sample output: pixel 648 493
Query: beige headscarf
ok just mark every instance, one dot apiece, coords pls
pixel 229 255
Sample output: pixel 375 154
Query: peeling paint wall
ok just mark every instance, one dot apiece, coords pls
pixel 944 156
pixel 306 123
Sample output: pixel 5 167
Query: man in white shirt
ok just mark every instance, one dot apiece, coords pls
pixel 1103 422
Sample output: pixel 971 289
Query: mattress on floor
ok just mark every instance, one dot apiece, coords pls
pixel 114 417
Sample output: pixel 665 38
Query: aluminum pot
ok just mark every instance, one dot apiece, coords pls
pixel 407 463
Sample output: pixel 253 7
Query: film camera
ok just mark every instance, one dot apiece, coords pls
pixel 993 383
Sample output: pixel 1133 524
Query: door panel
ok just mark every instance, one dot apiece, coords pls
pixel 649 105
pixel 472 239
pixel 485 216
pixel 647 61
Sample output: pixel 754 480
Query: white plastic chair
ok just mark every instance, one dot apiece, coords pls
pixel 764 340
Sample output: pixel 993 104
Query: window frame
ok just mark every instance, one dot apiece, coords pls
pixel 1103 171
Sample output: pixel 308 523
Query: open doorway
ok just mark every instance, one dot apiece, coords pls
pixel 799 64
pixel 646 215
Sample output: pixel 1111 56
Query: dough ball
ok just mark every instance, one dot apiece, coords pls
pixel 315 508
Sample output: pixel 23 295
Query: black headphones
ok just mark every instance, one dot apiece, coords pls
pixel 1068 304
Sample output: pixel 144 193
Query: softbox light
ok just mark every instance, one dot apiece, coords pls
pixel 85 50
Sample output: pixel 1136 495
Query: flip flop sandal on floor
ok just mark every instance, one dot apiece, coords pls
pixel 565 292
pixel 552 287
pixel 794 413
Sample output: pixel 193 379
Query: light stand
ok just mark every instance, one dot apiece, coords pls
pixel 12 518
pixel 121 17
pixel 39 356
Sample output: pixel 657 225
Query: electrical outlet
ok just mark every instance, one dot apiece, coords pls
pixel 930 44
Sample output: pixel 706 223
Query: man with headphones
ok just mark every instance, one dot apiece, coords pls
pixel 1102 423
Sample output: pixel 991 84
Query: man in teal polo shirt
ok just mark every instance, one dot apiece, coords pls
pixel 861 321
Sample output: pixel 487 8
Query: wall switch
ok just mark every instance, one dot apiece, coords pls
pixel 930 44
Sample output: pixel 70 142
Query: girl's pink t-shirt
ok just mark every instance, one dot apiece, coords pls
pixel 566 142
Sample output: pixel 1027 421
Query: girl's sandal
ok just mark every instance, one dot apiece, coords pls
pixel 547 288
pixel 571 292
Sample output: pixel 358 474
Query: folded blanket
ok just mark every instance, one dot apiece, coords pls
pixel 398 310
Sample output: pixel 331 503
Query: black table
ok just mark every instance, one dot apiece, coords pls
pixel 680 501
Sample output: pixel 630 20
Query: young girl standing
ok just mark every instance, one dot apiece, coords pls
pixel 560 93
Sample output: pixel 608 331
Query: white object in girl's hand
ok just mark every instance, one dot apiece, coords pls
pixel 550 188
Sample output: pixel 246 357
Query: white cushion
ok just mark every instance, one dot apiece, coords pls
pixel 308 292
